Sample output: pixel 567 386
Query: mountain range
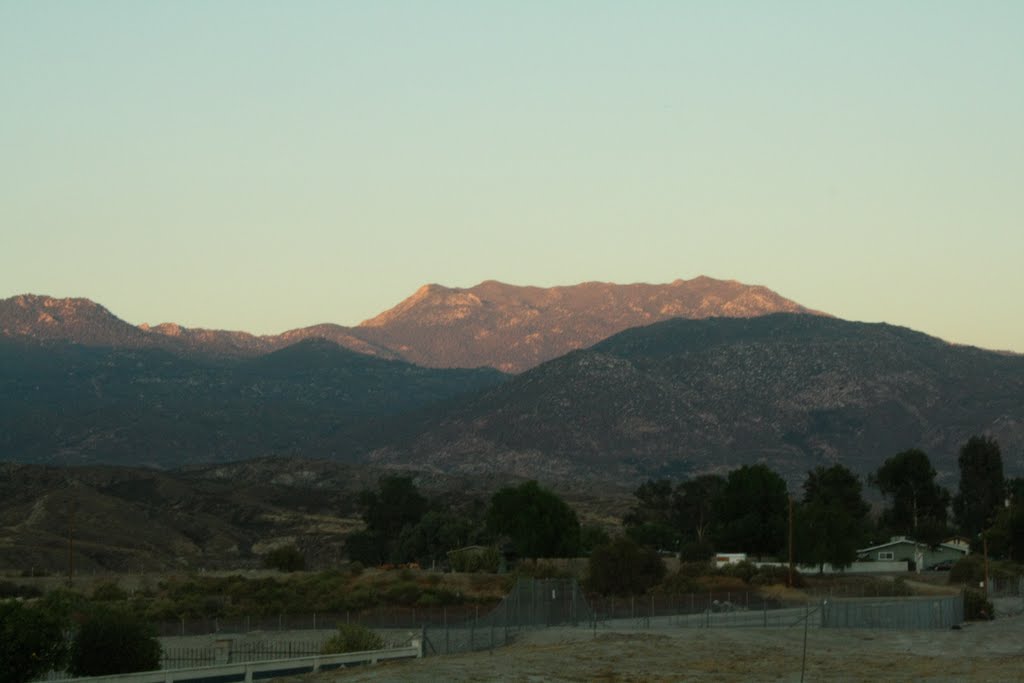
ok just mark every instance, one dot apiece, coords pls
pixel 656 396
pixel 506 327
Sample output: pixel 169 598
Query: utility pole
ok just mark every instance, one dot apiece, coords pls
pixel 71 540
pixel 791 541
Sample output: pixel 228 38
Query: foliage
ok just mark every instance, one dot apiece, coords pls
pixel 396 504
pixel 472 560
pixel 623 567
pixel 696 551
pixel 982 487
pixel 539 523
pixel 970 570
pixel 286 558
pixel 592 536
pixel 539 569
pixel 31 642
pixel 666 518
pixel 439 531
pixel 651 521
pixel 63 604
pixel 977 607
pixel 907 480
pixel 9 589
pixel 113 642
pixel 391 514
pixel 753 509
pixel 352 638
pixel 832 518
pixel 1006 535
pixel 697 506
pixel 109 591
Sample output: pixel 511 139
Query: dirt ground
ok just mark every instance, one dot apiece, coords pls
pixel 992 651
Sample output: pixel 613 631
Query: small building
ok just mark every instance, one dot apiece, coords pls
pixel 921 555
pixel 722 559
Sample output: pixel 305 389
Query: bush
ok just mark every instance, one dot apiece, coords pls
pixel 771 575
pixel 623 567
pixel 352 638
pixel 287 558
pixel 112 642
pixel 31 642
pixel 540 569
pixel 679 583
pixel 473 560
pixel 695 551
pixel 109 591
pixel 9 589
pixel 977 607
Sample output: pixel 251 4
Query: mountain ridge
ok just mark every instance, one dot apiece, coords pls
pixel 508 327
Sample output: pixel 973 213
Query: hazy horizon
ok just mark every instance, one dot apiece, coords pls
pixel 263 167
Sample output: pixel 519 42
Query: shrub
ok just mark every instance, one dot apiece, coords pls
pixel 770 575
pixel 402 593
pixel 623 567
pixel 352 638
pixel 540 569
pixel 355 568
pixel 9 589
pixel 31 642
pixel 472 560
pixel 696 552
pixel 112 642
pixel 109 591
pixel 679 583
pixel 976 606
pixel 287 558
pixel 744 570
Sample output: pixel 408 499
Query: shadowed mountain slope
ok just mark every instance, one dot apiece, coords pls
pixel 689 396
pixel 70 404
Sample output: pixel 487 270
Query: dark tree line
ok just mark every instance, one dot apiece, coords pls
pixel 747 510
pixel 401 525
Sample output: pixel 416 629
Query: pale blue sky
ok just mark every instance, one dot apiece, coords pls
pixel 268 165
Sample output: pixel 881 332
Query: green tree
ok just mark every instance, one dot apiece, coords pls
pixel 982 487
pixel 31 642
pixel 396 504
pixel 696 503
pixel 624 567
pixel 907 481
pixel 832 518
pixel 651 521
pixel 387 512
pixel 753 511
pixel 113 642
pixel 539 523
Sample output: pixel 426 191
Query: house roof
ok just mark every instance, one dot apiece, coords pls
pixel 902 540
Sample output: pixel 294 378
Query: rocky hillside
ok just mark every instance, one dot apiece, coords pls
pixel 515 328
pixel 492 324
pixel 689 396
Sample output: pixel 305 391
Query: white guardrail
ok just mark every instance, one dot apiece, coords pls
pixel 256 671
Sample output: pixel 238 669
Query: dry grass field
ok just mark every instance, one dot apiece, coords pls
pixel 991 651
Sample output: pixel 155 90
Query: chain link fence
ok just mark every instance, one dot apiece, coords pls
pixel 917 613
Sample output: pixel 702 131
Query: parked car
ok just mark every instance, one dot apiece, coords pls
pixel 943 566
